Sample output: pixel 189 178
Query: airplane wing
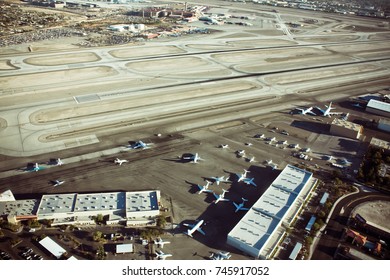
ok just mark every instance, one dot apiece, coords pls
pixel 236 205
pixel 311 113
pixel 335 113
pixel 321 110
pixel 201 231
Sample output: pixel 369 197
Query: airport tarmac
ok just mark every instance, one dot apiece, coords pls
pixel 198 94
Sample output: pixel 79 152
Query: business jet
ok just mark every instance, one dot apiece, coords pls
pixel 224 146
pixel 220 197
pixel 240 153
pixel 204 188
pixel 240 206
pixel 250 181
pixel 59 162
pixel 57 183
pixel 218 180
pixel 161 242
pixel 194 158
pixel 162 256
pixel 271 164
pixel 120 161
pixel 242 176
pixel 305 111
pixel 140 145
pixel 251 159
pixel 220 256
pixel 327 112
pixel 194 227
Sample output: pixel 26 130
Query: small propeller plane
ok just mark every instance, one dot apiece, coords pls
pixel 140 145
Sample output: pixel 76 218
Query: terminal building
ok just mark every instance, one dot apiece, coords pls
pixel 129 208
pixel 262 228
pixel 345 128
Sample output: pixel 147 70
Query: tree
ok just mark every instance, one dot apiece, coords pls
pixel 101 254
pixel 161 221
pixel 97 236
pixel 309 240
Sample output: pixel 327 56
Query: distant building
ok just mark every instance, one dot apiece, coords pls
pixel 262 228
pixel 378 108
pixel 51 246
pixel 347 129
pixel 381 144
pixel 384 124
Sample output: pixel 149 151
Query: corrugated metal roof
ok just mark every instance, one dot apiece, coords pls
pixel 379 105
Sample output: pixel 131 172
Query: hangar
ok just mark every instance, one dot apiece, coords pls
pixel 378 107
pixel 263 227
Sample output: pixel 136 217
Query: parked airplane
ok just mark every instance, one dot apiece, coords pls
pixel 344 161
pixel 220 197
pixel 57 183
pixel 161 242
pixel 218 180
pixel 249 181
pixel 194 227
pixel 242 176
pixel 326 112
pixel 220 256
pixel 59 162
pixel 271 164
pixel 36 167
pixel 120 161
pixel 162 256
pixel 241 153
pixel 240 206
pixel 204 188
pixel 194 158
pixel 224 146
pixel 140 145
pixel 358 105
pixel 251 159
pixel 305 111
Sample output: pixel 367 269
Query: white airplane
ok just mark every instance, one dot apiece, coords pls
pixel 36 167
pixel 344 161
pixel 204 188
pixel 162 256
pixel 306 111
pixel 242 176
pixel 326 112
pixel 249 181
pixel 161 242
pixel 220 197
pixel 218 180
pixel 220 256
pixel 271 164
pixel 240 206
pixel 120 161
pixel 241 153
pixel 248 144
pixel 140 145
pixel 251 159
pixel 57 183
pixel 194 158
pixel 194 227
pixel 224 146
pixel 328 158
pixel 59 162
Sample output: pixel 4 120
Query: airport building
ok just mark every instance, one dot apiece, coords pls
pixel 378 108
pixel 384 124
pixel 345 128
pixel 262 228
pixel 129 208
